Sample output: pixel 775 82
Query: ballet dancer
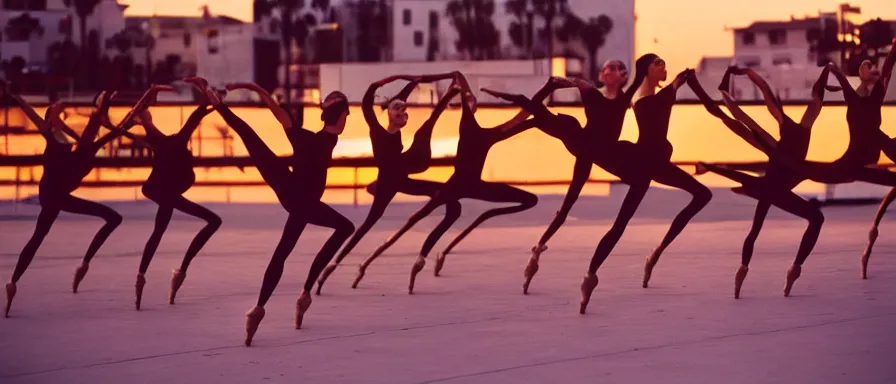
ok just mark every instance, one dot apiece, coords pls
pixel 605 113
pixel 299 190
pixel 866 140
pixel 874 80
pixel 64 169
pixel 466 182
pixel 775 187
pixel 171 176
pixel 393 165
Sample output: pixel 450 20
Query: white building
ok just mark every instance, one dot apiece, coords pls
pixel 106 20
pixel 416 22
pixel 215 47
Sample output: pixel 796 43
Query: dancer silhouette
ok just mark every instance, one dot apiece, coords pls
pixel 299 190
pixel 394 166
pixel 63 171
pixel 466 182
pixel 596 144
pixel 171 176
pixel 776 185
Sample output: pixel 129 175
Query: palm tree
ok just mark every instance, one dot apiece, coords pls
pixel 520 30
pixel 21 28
pixel 287 9
pixel 549 10
pixel 875 35
pixel 592 33
pixel 83 8
pixel 477 35
pixel 372 19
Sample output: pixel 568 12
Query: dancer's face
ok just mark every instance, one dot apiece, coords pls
pixel 398 114
pixel 614 74
pixel 868 72
pixel 657 70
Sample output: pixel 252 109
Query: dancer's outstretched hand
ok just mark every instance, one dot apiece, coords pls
pixel 681 78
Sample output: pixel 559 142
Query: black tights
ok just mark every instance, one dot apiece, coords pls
pixel 383 193
pixel 451 193
pixel 664 173
pixel 302 211
pixel 316 213
pixel 769 193
pixel 163 217
pixel 50 208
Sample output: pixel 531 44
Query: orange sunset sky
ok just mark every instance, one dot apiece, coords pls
pixel 681 31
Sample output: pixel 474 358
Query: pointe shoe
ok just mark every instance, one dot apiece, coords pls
pixel 253 319
pixel 141 282
pixel 418 266
pixel 361 269
pixel 177 279
pixel 440 262
pixel 739 278
pixel 324 276
pixel 792 274
pixel 301 307
pixel 588 285
pixel 648 270
pixel 80 272
pixel 10 294
pixel 532 266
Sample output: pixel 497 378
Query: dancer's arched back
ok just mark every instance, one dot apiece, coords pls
pixel 393 165
pixel 171 176
pixel 776 185
pixel 299 190
pixel 466 182
pixel 63 171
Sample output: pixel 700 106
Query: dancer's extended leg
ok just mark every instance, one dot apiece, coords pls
pixel 427 209
pixel 323 215
pixel 630 204
pixel 163 217
pixel 675 177
pixel 291 232
pixel 213 222
pixel 84 207
pixel 45 221
pixel 491 192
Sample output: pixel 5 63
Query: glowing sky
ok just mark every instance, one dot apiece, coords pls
pixel 681 31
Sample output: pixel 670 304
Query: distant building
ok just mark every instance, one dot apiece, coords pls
pixel 783 52
pixel 215 47
pixel 106 20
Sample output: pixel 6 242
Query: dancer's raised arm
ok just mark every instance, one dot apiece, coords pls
pixel 368 100
pixel 771 101
pixel 43 125
pixel 282 116
pixel 849 93
pixel 818 89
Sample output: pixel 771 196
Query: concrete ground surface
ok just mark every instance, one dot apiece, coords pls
pixel 472 324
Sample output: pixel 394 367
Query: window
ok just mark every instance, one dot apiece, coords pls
pixel 782 60
pixel 777 37
pixel 748 38
pixel 418 38
pixel 406 17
